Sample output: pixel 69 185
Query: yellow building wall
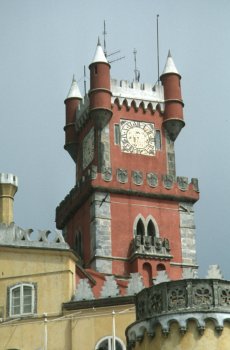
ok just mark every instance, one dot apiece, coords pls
pixel 80 330
pixel 54 273
pixel 191 340
pixel 90 326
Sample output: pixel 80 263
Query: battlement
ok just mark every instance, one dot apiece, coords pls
pixel 137 93
pixel 8 179
pixel 13 235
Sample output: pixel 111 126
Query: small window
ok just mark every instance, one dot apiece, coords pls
pixel 95 70
pixel 158 139
pixel 78 244
pixel 107 344
pixel 117 134
pixel 21 300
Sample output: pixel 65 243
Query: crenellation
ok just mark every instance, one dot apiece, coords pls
pixel 13 235
pixel 146 95
pixel 6 178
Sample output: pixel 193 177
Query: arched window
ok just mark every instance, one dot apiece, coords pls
pixel 22 300
pixel 147 275
pixel 107 344
pixel 140 230
pixel 151 231
pixel 161 267
pixel 152 227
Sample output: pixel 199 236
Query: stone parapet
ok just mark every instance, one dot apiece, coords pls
pixel 13 235
pixel 180 301
pixel 144 95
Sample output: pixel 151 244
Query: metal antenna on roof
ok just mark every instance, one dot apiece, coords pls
pixel 104 34
pixel 158 69
pixel 84 80
pixel 136 71
pixel 105 49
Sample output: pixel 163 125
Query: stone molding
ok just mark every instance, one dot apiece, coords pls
pixel 180 301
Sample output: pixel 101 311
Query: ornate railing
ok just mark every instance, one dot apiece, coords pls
pixel 190 295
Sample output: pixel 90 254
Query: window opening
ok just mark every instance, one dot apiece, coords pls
pixel 141 230
pixel 107 344
pixel 161 267
pixel 158 139
pixel 117 134
pixel 22 300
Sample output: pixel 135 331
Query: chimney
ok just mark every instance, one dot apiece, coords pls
pixel 8 188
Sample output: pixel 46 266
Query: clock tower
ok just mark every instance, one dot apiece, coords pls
pixel 128 211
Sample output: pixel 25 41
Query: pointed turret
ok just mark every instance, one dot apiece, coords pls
pixel 72 101
pixel 99 93
pixel 173 115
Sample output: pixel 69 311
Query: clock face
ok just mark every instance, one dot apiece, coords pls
pixel 88 148
pixel 137 137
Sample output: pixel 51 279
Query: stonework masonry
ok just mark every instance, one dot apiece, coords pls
pixel 188 231
pixel 100 232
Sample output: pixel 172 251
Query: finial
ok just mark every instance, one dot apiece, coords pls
pixel 99 55
pixel 158 52
pixel 74 90
pixel 104 34
pixel 169 53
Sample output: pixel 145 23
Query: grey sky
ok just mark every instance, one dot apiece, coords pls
pixel 44 42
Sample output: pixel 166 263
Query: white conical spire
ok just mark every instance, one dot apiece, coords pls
pixel 99 55
pixel 170 65
pixel 74 90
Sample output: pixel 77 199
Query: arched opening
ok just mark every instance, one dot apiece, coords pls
pixel 107 344
pixel 161 267
pixel 140 230
pixel 151 231
pixel 147 274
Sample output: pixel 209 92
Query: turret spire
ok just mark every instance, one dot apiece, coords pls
pixel 170 65
pixel 99 55
pixel 74 90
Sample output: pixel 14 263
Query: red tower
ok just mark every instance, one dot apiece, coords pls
pixel 128 211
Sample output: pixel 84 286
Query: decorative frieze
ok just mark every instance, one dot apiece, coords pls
pixel 150 245
pixel 137 177
pixel 83 291
pixel 214 272
pixel 185 295
pixel 135 284
pixel 122 175
pixel 107 173
pixel 110 287
pixel 182 183
pixel 168 181
pixel 152 179
pixel 148 183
